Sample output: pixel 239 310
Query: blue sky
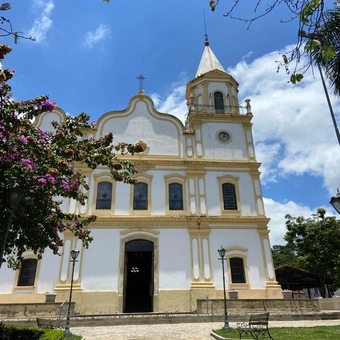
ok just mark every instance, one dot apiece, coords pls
pixel 88 54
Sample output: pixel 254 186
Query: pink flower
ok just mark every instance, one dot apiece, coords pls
pixel 65 185
pixel 50 178
pixel 27 162
pixel 42 181
pixel 23 139
pixel 47 105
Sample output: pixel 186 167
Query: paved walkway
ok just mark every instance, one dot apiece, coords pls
pixel 187 331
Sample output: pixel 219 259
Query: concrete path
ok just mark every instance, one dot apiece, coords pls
pixel 187 331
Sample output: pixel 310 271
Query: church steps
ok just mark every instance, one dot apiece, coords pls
pixel 168 318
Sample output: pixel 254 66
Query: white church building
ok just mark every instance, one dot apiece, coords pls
pixel 155 243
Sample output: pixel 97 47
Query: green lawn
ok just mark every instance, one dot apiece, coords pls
pixel 293 333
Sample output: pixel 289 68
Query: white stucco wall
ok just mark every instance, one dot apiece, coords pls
pixel 100 262
pixel 235 150
pixel 162 133
pixel 174 259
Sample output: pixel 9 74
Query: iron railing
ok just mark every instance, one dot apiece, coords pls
pixel 232 110
pixel 62 312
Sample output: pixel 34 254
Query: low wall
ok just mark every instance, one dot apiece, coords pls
pixel 329 304
pixel 235 307
pixel 238 306
pixel 30 310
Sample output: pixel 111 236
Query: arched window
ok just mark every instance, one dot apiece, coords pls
pixel 219 104
pixel 27 272
pixel 140 196
pixel 175 196
pixel 229 196
pixel 237 270
pixel 104 195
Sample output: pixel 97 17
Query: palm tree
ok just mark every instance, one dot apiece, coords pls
pixel 329 36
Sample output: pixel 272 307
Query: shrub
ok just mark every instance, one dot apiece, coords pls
pixel 52 334
pixel 19 333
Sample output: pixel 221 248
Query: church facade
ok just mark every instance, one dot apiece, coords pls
pixel 155 243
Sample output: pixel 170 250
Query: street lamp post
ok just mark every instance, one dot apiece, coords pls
pixel 335 201
pixel 226 326
pixel 74 255
pixel 13 197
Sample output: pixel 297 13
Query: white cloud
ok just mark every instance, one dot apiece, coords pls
pixel 101 33
pixel 247 55
pixel 43 23
pixel 174 102
pixel 277 212
pixel 293 129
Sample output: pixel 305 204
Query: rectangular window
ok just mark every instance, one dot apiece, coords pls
pixel 229 196
pixel 27 272
pixel 104 195
pixel 140 196
pixel 237 270
pixel 219 104
pixel 175 196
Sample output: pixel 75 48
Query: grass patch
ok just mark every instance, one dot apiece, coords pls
pixel 293 333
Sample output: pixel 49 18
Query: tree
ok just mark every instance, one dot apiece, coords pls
pixel 317 241
pixel 328 35
pixel 311 16
pixel 46 167
pixel 285 255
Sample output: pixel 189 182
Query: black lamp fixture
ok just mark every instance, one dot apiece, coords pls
pixel 74 256
pixel 226 326
pixel 13 196
pixel 335 201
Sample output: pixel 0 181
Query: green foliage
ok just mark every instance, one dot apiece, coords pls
pixel 212 5
pixel 51 334
pixel 308 10
pixel 328 56
pixel 311 44
pixel 9 332
pixel 316 241
pixel 296 78
pixel 285 255
pixel 285 59
pixel 294 333
pixel 20 332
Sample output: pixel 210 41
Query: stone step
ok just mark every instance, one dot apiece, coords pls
pixel 167 318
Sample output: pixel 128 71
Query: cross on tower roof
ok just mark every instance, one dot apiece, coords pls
pixel 141 80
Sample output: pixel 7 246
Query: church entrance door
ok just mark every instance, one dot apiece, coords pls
pixel 138 276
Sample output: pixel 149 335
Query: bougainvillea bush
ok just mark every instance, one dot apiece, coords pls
pixel 46 167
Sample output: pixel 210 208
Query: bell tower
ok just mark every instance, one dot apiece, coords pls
pixel 212 90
